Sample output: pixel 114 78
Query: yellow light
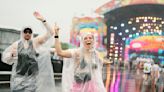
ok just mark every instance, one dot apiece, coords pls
pixel 157 27
pixel 162 22
pixel 129 22
pixel 154 20
pixel 111 42
pixel 147 30
pixel 137 20
pixel 141 27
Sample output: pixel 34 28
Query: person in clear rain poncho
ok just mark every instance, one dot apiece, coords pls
pixel 83 72
pixel 31 65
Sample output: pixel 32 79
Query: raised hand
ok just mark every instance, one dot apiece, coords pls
pixel 56 29
pixel 38 16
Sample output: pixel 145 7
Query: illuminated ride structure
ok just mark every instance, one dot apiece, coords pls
pixel 90 24
pixel 128 24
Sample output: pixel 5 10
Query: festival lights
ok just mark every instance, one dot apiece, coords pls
pixel 133 28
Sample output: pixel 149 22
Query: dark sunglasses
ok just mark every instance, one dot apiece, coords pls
pixel 27 32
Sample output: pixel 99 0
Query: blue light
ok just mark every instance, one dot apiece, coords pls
pixel 115 28
pixel 137 34
pixel 126 30
pixel 123 38
pixel 88 25
pixel 133 28
pixel 122 24
pixel 120 33
pixel 130 35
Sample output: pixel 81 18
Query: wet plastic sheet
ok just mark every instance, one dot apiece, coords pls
pixel 82 76
pixel 22 81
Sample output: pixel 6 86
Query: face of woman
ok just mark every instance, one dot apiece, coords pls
pixel 88 41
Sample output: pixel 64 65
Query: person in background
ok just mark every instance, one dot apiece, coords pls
pixel 147 84
pixel 24 55
pixel 85 69
pixel 139 76
pixel 155 72
pixel 160 81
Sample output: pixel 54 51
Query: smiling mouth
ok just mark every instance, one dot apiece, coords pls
pixel 88 43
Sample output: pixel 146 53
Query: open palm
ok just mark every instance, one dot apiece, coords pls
pixel 38 16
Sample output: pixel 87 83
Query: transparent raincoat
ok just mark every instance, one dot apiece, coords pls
pixel 31 67
pixel 82 72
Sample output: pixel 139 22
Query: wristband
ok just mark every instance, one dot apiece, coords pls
pixel 12 55
pixel 56 36
pixel 44 21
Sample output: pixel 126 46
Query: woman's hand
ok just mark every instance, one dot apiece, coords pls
pixel 56 29
pixel 107 61
pixel 38 16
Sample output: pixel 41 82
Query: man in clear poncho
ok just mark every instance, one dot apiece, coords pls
pixel 84 72
pixel 31 65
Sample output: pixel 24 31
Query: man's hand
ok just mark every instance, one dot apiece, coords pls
pixel 38 16
pixel 14 53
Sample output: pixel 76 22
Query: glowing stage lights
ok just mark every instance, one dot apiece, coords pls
pixel 115 28
pixel 134 28
pixel 120 33
pixel 126 31
pixel 122 24
pixel 130 22
pixel 130 29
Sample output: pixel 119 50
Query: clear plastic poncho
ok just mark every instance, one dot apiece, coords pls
pixel 82 72
pixel 32 70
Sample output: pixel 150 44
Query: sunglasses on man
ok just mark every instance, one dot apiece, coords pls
pixel 27 30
